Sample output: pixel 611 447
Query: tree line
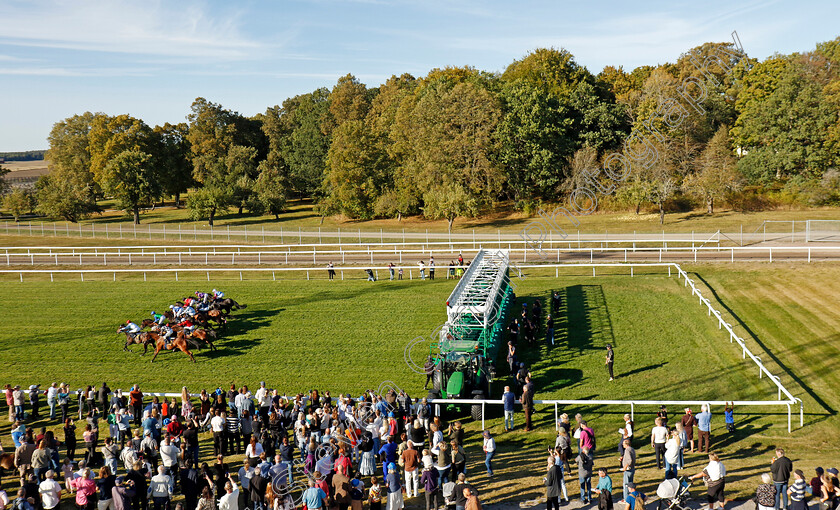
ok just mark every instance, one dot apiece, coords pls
pixel 458 141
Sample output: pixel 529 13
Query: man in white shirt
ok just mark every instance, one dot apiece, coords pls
pixel 230 501
pixel 263 397
pixel 52 396
pixel 160 488
pixel 217 425
pixel 169 457
pixel 50 491
pixel 489 452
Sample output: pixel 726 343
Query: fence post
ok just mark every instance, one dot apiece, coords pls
pixel 632 412
pixel 788 408
pixel 556 417
pixel 482 415
pixel 771 254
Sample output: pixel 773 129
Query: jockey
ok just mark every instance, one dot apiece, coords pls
pixel 158 318
pixel 132 328
pixel 188 326
pixel 217 294
pixel 188 311
pixel 166 333
pixel 176 310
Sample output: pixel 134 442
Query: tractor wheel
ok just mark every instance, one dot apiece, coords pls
pixel 475 409
pixel 437 376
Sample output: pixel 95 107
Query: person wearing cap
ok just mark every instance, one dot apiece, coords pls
pixel 610 359
pixel 394 488
pixel 52 397
pixel 50 491
pixel 634 497
pixel 781 467
pixel 833 472
pixel 816 482
pixel 34 400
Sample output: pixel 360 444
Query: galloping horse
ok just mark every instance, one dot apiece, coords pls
pixel 179 343
pixel 137 338
pixel 203 318
pixel 204 335
pixel 226 304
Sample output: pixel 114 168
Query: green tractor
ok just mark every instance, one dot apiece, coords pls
pixel 475 330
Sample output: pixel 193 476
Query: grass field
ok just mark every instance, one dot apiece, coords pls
pixel 350 335
pixel 301 214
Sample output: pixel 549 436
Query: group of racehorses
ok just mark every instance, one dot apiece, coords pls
pixel 216 310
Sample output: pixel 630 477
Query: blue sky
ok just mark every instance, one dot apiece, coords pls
pixel 152 58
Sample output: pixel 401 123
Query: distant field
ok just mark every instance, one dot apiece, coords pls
pixel 27 168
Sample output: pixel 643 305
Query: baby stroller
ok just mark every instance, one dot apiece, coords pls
pixel 673 493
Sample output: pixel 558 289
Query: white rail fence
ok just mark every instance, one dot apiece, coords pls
pixel 250 255
pixel 695 292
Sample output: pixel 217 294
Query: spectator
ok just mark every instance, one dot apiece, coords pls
pixel 610 360
pixel 458 492
pixel 828 495
pixel 584 464
pixel 628 468
pixel 564 445
pixel 672 455
pixel 41 459
pixel 714 474
pixel 207 501
pixel 410 460
pixel 85 489
pixel 704 426
pixel 374 495
pixel 489 452
pixel 604 487
pixel 472 499
pixel 105 484
pixel 527 400
pixel 816 482
pixel 688 422
pixel 729 416
pixel 50 491
pixel 781 467
pixel 797 491
pixel 341 488
pixel 21 502
pixel 230 501
pixel 658 437
pixel 766 494
pixel 394 488
pixel 258 487
pixel 509 399
pixel 634 497
pixel 552 482
pixel 431 488
pixel 626 432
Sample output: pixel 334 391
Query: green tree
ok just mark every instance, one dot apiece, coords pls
pixel 69 191
pixel 779 146
pixel 4 186
pixel 444 135
pixel 130 177
pixel 448 201
pixel 718 175
pixel 270 189
pixel 174 164
pixel 19 202
pixel 111 136
pixel 207 202
pixel 356 171
pixel 535 137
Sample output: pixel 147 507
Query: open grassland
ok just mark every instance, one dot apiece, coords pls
pixel 350 335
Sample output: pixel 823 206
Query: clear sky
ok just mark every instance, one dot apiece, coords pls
pixel 152 58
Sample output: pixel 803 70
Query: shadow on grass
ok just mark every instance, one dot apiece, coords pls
pixel 761 344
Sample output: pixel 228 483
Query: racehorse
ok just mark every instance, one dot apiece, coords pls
pixel 7 463
pixel 135 338
pixel 179 343
pixel 226 304
pixel 203 318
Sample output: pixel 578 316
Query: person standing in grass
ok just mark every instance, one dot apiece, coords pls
pixel 628 468
pixel 552 482
pixel 422 267
pixel 610 360
pixel 729 416
pixel 549 330
pixel 714 473
pixel 431 268
pixel 527 400
pixel 584 463
pixel 688 422
pixel 704 426
pixel 781 467
pixel 658 438
pixel 797 491
pixel 766 493
pixel 509 399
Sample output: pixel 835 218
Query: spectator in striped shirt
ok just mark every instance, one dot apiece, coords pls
pixel 797 491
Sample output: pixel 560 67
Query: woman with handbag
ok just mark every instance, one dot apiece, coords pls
pixel 714 477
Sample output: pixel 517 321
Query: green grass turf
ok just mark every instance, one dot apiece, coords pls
pixel 350 336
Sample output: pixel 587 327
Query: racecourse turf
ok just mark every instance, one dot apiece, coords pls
pixel 350 335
